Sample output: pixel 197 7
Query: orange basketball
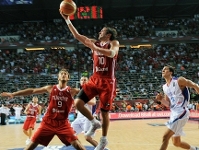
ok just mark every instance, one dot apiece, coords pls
pixel 68 7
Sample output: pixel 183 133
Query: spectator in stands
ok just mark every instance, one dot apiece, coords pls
pixel 139 106
pixel 128 107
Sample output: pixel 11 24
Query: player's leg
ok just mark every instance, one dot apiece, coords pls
pixel 91 140
pixel 82 98
pixel 30 132
pixel 26 126
pixel 105 121
pixel 176 139
pixel 87 125
pixel 80 101
pixel 105 125
pixel 26 132
pixel 77 145
pixel 165 140
pixel 67 135
pixel 43 135
pixel 31 146
pixel 106 97
pixel 178 143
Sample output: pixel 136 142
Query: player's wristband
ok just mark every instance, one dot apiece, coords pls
pixel 68 21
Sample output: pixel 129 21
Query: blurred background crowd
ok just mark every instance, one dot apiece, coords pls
pixel 138 69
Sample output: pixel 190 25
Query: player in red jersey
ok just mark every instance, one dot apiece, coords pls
pixel 55 120
pixel 102 82
pixel 32 111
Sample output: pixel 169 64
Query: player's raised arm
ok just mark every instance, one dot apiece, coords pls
pixel 73 30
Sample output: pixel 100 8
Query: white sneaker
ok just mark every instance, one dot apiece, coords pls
pixel 93 128
pixel 102 144
pixel 28 141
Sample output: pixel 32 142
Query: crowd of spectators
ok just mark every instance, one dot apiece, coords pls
pixel 138 70
pixel 127 29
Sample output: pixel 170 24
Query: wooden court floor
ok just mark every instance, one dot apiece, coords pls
pixel 123 135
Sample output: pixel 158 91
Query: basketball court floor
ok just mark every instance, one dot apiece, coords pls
pixel 145 134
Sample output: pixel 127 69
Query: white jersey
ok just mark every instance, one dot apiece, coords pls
pixel 179 100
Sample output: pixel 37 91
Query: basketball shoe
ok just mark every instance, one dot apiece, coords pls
pixel 102 144
pixel 96 125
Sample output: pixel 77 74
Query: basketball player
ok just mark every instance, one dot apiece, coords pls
pixel 18 110
pixel 81 123
pixel 55 120
pixel 176 97
pixel 32 111
pixel 102 82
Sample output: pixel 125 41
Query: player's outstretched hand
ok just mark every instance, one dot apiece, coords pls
pixel 6 94
pixel 63 15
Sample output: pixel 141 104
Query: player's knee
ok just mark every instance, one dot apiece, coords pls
pixel 79 103
pixel 104 113
pixel 24 130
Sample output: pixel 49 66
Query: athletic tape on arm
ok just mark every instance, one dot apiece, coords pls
pixel 68 21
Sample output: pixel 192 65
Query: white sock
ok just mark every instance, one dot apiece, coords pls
pixel 104 137
pixel 192 148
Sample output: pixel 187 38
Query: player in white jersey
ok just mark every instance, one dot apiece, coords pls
pixel 176 96
pixel 81 123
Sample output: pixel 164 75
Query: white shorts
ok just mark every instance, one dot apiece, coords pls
pixel 177 126
pixel 81 125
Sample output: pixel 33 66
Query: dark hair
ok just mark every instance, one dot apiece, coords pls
pixel 171 69
pixel 111 31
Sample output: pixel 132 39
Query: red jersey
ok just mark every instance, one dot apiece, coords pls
pixel 33 110
pixel 103 66
pixel 60 103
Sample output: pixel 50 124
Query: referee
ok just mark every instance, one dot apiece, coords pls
pixel 4 111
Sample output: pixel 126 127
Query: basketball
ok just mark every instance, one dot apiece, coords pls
pixel 68 7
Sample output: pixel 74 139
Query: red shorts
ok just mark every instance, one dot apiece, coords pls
pixel 49 128
pixel 29 123
pixel 105 88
